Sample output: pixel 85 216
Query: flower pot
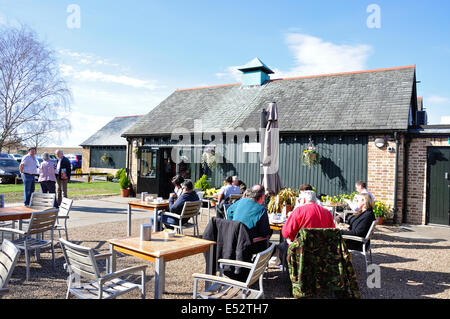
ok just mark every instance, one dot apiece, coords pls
pixel 125 192
pixel 380 221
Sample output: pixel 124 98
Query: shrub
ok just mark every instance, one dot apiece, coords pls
pixel 124 181
pixel 120 172
pixel 202 183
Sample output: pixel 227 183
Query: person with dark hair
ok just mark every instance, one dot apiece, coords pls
pixel 177 181
pixel 251 212
pixel 224 194
pixel 176 206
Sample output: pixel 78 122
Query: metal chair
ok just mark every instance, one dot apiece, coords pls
pixel 226 288
pixel 365 243
pixel 42 201
pixel 40 222
pixel 190 210
pixel 9 255
pixel 81 263
pixel 64 210
pixel 4 224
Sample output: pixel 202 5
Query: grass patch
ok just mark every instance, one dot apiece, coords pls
pixel 14 193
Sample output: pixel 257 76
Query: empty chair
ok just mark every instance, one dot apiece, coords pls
pixel 8 259
pixel 40 222
pixel 190 210
pixel 42 201
pixel 63 216
pixel 226 288
pixel 81 264
pixel 365 243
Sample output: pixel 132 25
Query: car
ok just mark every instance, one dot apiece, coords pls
pixel 9 170
pixel 6 155
pixel 75 161
pixel 17 157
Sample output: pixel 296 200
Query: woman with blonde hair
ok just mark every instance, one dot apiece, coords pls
pixel 361 220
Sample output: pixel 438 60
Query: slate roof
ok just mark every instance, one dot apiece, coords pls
pixel 110 134
pixel 376 100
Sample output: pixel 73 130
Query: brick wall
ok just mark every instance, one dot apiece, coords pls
pixel 381 172
pixel 417 177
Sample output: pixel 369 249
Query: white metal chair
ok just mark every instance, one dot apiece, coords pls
pixel 190 210
pixel 226 288
pixel 9 254
pixel 225 207
pixel 40 222
pixel 81 263
pixel 63 215
pixel 365 243
pixel 42 201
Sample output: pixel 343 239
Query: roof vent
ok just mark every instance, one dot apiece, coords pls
pixel 255 73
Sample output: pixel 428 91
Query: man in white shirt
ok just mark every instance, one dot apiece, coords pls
pixel 361 188
pixel 28 168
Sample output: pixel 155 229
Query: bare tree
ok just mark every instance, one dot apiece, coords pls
pixel 32 92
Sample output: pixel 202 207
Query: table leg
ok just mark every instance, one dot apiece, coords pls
pixel 129 221
pixel 160 269
pixel 209 264
pixel 112 263
pixel 155 220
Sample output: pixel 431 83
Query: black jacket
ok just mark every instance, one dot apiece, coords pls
pixel 359 226
pixel 65 163
pixel 232 242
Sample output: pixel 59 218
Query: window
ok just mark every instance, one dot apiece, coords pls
pixel 148 162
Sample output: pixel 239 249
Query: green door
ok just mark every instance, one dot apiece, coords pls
pixel 438 185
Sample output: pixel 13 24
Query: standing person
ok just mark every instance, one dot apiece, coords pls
pixel 63 172
pixel 28 168
pixel 47 175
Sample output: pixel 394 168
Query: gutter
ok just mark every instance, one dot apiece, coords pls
pixel 396 175
pixel 405 178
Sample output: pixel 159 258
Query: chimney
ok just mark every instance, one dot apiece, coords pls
pixel 255 73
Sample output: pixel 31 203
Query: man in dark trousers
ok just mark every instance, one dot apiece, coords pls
pixel 63 171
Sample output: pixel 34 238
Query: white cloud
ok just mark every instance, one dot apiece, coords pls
pixel 436 99
pixel 445 120
pixel 314 56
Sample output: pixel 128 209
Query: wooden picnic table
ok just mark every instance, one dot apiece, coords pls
pixel 161 250
pixel 155 207
pixel 16 213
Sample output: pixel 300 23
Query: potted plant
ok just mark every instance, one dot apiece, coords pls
pixel 202 183
pixel 125 184
pixel 310 157
pixel 382 210
pixel 209 158
pixel 285 198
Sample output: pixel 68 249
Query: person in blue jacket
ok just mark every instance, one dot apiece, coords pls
pixel 176 204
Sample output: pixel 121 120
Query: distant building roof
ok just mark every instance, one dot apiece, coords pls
pixel 375 100
pixel 110 134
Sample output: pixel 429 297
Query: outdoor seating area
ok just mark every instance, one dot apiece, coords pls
pixel 405 255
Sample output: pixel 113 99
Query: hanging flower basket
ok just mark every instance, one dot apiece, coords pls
pixel 310 157
pixel 209 159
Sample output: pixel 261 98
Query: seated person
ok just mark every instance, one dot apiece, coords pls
pixel 176 207
pixel 309 215
pixel 177 181
pixel 224 194
pixel 301 201
pixel 252 213
pixel 360 221
pixel 361 188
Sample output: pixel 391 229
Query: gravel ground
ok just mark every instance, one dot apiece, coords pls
pixel 413 261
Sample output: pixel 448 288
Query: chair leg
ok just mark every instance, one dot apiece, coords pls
pixel 27 261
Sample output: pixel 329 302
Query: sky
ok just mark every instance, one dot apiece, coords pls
pixel 123 58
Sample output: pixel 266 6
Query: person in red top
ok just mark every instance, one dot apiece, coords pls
pixel 309 215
